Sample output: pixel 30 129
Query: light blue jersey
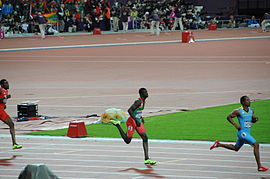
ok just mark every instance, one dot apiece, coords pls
pixel 245 121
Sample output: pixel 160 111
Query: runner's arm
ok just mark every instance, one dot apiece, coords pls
pixel 233 115
pixel 131 110
pixel 142 120
pixel 1 98
pixel 254 118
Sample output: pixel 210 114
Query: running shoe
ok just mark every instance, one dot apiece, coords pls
pixel 214 145
pixel 114 122
pixel 262 169
pixel 151 162
pixel 16 146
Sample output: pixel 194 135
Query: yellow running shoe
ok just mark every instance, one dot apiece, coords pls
pixel 16 146
pixel 151 162
pixel 114 122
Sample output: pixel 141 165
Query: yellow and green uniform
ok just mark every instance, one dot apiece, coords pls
pixel 131 124
pixel 138 112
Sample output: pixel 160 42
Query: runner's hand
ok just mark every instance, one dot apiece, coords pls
pixel 238 127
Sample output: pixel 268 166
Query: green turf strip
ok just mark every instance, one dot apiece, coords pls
pixel 202 124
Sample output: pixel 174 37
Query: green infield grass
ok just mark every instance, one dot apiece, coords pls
pixel 202 124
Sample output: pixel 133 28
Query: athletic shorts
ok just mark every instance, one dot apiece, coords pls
pixel 244 138
pixel 3 115
pixel 131 125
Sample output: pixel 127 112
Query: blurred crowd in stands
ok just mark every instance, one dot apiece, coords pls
pixel 18 16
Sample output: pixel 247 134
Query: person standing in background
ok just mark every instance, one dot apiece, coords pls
pixel 41 20
pixel 155 20
pixel 124 19
pixel 266 20
pixel 178 17
pixel 115 12
pixel 61 15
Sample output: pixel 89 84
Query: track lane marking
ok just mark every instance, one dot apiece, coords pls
pixel 128 44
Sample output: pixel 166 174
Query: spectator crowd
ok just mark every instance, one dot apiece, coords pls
pixel 18 16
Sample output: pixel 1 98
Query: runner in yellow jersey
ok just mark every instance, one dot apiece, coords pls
pixel 136 122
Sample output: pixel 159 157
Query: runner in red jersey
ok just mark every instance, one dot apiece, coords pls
pixel 136 122
pixel 3 115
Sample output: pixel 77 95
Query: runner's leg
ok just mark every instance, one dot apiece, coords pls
pixel 10 123
pixel 126 138
pixel 229 146
pixel 145 145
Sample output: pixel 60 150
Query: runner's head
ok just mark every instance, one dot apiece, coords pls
pixel 245 101
pixel 4 84
pixel 143 93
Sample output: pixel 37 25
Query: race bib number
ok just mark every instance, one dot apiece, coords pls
pixel 247 124
pixel 139 116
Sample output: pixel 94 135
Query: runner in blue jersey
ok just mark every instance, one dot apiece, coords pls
pixel 245 117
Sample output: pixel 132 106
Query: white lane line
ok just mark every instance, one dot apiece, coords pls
pixel 15 176
pixel 85 106
pixel 121 146
pixel 137 177
pixel 131 95
pixel 118 173
pixel 70 152
pixel 159 169
pixel 179 170
pixel 129 43
pixel 77 178
pixel 114 140
pixel 233 38
pixel 159 158
pixel 128 175
pixel 245 149
pixel 177 150
pixel 158 165
pixel 125 57
pixel 87 46
pixel 140 61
